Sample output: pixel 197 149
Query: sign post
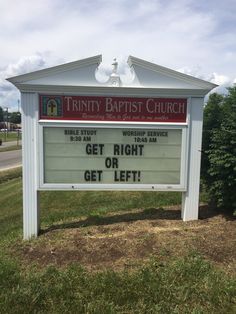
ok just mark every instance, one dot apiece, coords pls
pixel 79 134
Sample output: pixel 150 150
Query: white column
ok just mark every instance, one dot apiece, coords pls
pixel 31 222
pixel 190 199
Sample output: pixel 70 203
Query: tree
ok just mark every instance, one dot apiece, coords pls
pixel 15 118
pixel 211 121
pixel 219 149
pixel 1 114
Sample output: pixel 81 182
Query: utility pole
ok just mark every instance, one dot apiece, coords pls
pixel 18 113
pixel 6 129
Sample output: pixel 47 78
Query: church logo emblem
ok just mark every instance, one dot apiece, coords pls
pixel 52 106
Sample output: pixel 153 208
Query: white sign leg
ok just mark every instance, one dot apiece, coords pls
pixel 190 199
pixel 31 222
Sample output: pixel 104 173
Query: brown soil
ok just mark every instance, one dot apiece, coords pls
pixel 127 239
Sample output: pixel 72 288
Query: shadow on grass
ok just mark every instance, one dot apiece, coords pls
pixel 98 220
pixel 205 212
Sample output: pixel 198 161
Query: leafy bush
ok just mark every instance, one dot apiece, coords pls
pixel 219 149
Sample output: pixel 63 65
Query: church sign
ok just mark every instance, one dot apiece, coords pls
pixel 82 134
pixel 128 156
pixel 112 157
pixel 98 108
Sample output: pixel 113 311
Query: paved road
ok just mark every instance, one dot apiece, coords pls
pixel 10 159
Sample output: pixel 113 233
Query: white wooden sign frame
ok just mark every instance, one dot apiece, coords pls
pixel 77 78
pixel 112 187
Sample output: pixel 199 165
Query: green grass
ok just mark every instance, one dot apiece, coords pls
pixel 9 136
pixel 7 175
pixel 184 285
pixel 10 148
pixel 63 206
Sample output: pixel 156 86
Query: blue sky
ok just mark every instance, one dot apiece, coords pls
pixel 195 37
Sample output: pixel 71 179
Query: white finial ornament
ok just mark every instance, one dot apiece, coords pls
pixel 114 79
pixel 115 66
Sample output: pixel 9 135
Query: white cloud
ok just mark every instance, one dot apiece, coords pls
pixel 197 37
pixel 25 65
pixel 220 79
pixel 9 95
pixel 216 78
pixel 154 29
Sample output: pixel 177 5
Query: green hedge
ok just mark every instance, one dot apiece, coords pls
pixel 219 149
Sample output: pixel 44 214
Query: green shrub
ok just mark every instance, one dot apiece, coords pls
pixel 219 149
